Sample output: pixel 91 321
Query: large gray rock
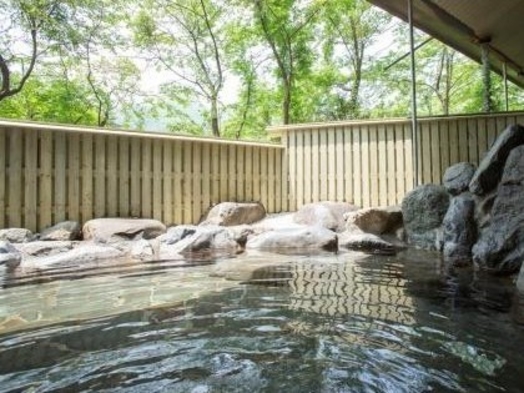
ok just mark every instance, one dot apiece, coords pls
pixel 375 220
pixel 16 235
pixel 490 170
pixel 305 238
pixel 423 210
pixel 501 244
pixel 84 254
pixel 45 248
pixel 187 241
pixel 63 231
pixel 232 213
pixel 459 230
pixel 366 242
pixel 520 280
pixel 9 255
pixel 329 215
pixel 116 229
pixel 457 177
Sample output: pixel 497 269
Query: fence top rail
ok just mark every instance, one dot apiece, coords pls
pixel 280 129
pixel 135 134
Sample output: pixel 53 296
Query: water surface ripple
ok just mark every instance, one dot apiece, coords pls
pixel 323 323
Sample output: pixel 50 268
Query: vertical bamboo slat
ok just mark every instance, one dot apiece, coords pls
pixel 87 178
pixel 31 179
pixel 197 183
pixel 100 176
pixel 74 177
pixel 2 177
pixel 178 183
pixel 46 180
pixel 60 177
pixel 167 184
pixel 14 211
pixel 299 170
pixel 158 200
pixel 135 181
pixel 146 181
pixel 206 177
pixel 112 177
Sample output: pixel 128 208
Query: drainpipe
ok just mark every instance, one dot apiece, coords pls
pixel 414 119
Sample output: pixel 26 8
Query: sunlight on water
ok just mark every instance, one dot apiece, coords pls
pixel 324 323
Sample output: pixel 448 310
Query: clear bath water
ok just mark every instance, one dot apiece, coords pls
pixel 319 323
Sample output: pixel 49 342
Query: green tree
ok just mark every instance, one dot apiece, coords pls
pixel 184 39
pixel 51 99
pixel 349 28
pixel 27 28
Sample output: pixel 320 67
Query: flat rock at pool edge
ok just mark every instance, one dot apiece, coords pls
pixel 366 242
pixel 203 241
pixel 16 235
pixel 329 215
pixel 233 213
pixel 295 239
pixel 489 172
pixel 63 231
pixel 117 229
pixel 375 220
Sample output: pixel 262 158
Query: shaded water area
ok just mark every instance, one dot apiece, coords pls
pixel 318 323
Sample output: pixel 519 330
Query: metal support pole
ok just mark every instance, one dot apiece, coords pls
pixel 506 95
pixel 414 119
pixel 487 101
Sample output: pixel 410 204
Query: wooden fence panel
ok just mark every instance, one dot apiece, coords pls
pixel 51 173
pixel 373 161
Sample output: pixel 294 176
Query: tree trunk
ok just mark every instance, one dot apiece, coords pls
pixel 286 102
pixel 214 116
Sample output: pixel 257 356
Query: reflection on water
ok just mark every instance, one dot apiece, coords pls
pixel 325 323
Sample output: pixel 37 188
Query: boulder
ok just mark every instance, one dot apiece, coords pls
pixel 305 238
pixel 366 242
pixel 116 229
pixel 63 231
pixel 16 235
pixel 232 213
pixel 489 172
pixel 197 241
pixel 9 255
pixel 143 250
pixel 44 248
pixel 175 234
pixel 459 230
pixel 375 220
pixel 500 247
pixel 520 280
pixel 457 177
pixel 329 215
pixel 84 254
pixel 423 210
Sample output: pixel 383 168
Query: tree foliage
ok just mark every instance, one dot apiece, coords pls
pixel 226 68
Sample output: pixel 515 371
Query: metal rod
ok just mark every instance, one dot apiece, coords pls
pixel 407 54
pixel 506 95
pixel 414 122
